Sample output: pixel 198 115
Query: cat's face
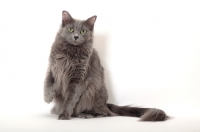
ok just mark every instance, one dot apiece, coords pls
pixel 77 32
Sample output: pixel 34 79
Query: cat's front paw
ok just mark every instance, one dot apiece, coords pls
pixel 64 117
pixel 48 98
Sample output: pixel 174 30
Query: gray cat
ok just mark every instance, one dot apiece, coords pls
pixel 75 77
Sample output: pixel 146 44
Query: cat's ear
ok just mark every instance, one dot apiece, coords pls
pixel 66 18
pixel 90 21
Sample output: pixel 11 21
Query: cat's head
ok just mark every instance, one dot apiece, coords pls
pixel 77 32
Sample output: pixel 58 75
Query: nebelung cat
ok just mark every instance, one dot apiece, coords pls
pixel 75 77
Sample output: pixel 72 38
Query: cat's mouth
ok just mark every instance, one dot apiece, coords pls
pixel 75 43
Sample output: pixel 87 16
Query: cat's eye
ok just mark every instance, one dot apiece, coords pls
pixel 70 30
pixel 83 31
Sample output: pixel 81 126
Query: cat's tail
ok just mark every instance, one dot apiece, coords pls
pixel 146 114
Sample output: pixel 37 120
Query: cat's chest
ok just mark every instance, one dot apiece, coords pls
pixel 68 60
pixel 63 63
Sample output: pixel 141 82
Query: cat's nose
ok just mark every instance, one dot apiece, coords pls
pixel 76 37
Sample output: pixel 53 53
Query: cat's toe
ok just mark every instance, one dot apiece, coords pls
pixel 63 117
pixel 101 115
pixel 84 115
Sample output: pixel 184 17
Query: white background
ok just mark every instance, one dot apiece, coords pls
pixel 150 50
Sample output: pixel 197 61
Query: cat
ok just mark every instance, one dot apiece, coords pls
pixel 75 77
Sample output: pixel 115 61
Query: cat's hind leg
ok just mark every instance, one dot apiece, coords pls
pixel 104 111
pixel 100 106
pixel 86 115
pixel 90 114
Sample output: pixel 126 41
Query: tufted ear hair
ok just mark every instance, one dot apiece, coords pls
pixel 66 18
pixel 90 22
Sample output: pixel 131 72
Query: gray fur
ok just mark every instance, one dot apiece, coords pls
pixel 75 77
pixel 154 115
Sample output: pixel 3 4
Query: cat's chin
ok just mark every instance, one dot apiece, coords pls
pixel 76 43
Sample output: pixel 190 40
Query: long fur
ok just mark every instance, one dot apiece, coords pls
pixel 146 114
pixel 75 77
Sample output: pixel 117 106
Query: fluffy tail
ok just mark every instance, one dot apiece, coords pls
pixel 146 114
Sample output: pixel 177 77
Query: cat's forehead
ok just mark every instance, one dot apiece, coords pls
pixel 78 24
